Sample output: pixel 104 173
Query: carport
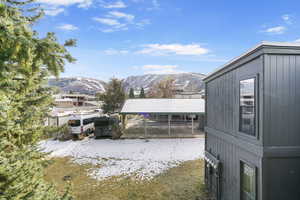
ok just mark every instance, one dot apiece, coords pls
pixel 187 108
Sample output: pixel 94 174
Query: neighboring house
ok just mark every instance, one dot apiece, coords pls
pixel 64 103
pixel 78 99
pixel 252 128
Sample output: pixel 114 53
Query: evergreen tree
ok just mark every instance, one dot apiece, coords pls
pixel 131 93
pixel 26 62
pixel 142 93
pixel 113 97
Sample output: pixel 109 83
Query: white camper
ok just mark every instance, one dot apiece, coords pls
pixel 82 123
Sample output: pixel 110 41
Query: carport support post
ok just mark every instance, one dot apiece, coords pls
pixel 169 123
pixel 145 126
pixel 192 124
pixel 124 121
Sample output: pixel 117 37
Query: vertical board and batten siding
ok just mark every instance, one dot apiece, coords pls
pixel 222 104
pixel 282 97
pixel 281 126
pixel 223 98
pixel 282 179
pixel 230 156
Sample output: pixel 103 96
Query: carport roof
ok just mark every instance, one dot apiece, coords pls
pixel 163 106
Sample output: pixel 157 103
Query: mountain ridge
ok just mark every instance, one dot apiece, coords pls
pixel 85 85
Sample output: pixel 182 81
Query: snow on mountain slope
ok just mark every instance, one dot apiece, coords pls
pixel 78 84
pixel 186 81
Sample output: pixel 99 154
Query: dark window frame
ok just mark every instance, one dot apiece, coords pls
pixel 256 106
pixel 242 163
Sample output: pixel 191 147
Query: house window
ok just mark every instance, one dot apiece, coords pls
pixel 247 106
pixel 248 182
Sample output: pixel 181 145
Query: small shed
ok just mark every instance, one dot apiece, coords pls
pixel 187 108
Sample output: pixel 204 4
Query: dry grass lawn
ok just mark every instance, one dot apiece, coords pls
pixel 181 183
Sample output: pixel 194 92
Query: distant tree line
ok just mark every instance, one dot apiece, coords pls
pixel 132 95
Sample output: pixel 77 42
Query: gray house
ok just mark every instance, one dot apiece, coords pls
pixel 252 125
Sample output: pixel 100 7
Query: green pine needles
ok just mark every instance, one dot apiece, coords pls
pixel 142 93
pixel 26 62
pixel 131 93
pixel 114 96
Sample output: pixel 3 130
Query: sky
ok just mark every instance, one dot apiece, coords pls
pixel 120 38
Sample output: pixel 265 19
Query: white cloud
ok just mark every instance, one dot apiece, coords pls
pixel 155 5
pixel 287 18
pixel 114 25
pixel 276 30
pixel 85 4
pixel 119 21
pixel 107 21
pixel 147 67
pixel 178 49
pixel 159 69
pixel 120 15
pixel 68 27
pixel 54 11
pixel 143 23
pixel 117 4
pixel 55 7
pixel 81 3
pixel 115 52
pixel 298 40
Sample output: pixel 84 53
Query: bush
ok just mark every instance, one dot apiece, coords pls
pixel 117 131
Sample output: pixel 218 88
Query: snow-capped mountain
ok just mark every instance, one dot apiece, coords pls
pixel 184 81
pixel 78 84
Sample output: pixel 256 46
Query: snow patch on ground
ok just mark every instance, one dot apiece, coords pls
pixel 143 159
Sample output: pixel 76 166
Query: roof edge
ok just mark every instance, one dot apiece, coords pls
pixel 137 113
pixel 251 51
pixel 162 99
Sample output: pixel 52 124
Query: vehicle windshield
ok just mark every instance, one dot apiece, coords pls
pixel 74 123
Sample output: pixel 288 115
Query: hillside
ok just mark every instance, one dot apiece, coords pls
pixel 185 81
pixel 78 84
